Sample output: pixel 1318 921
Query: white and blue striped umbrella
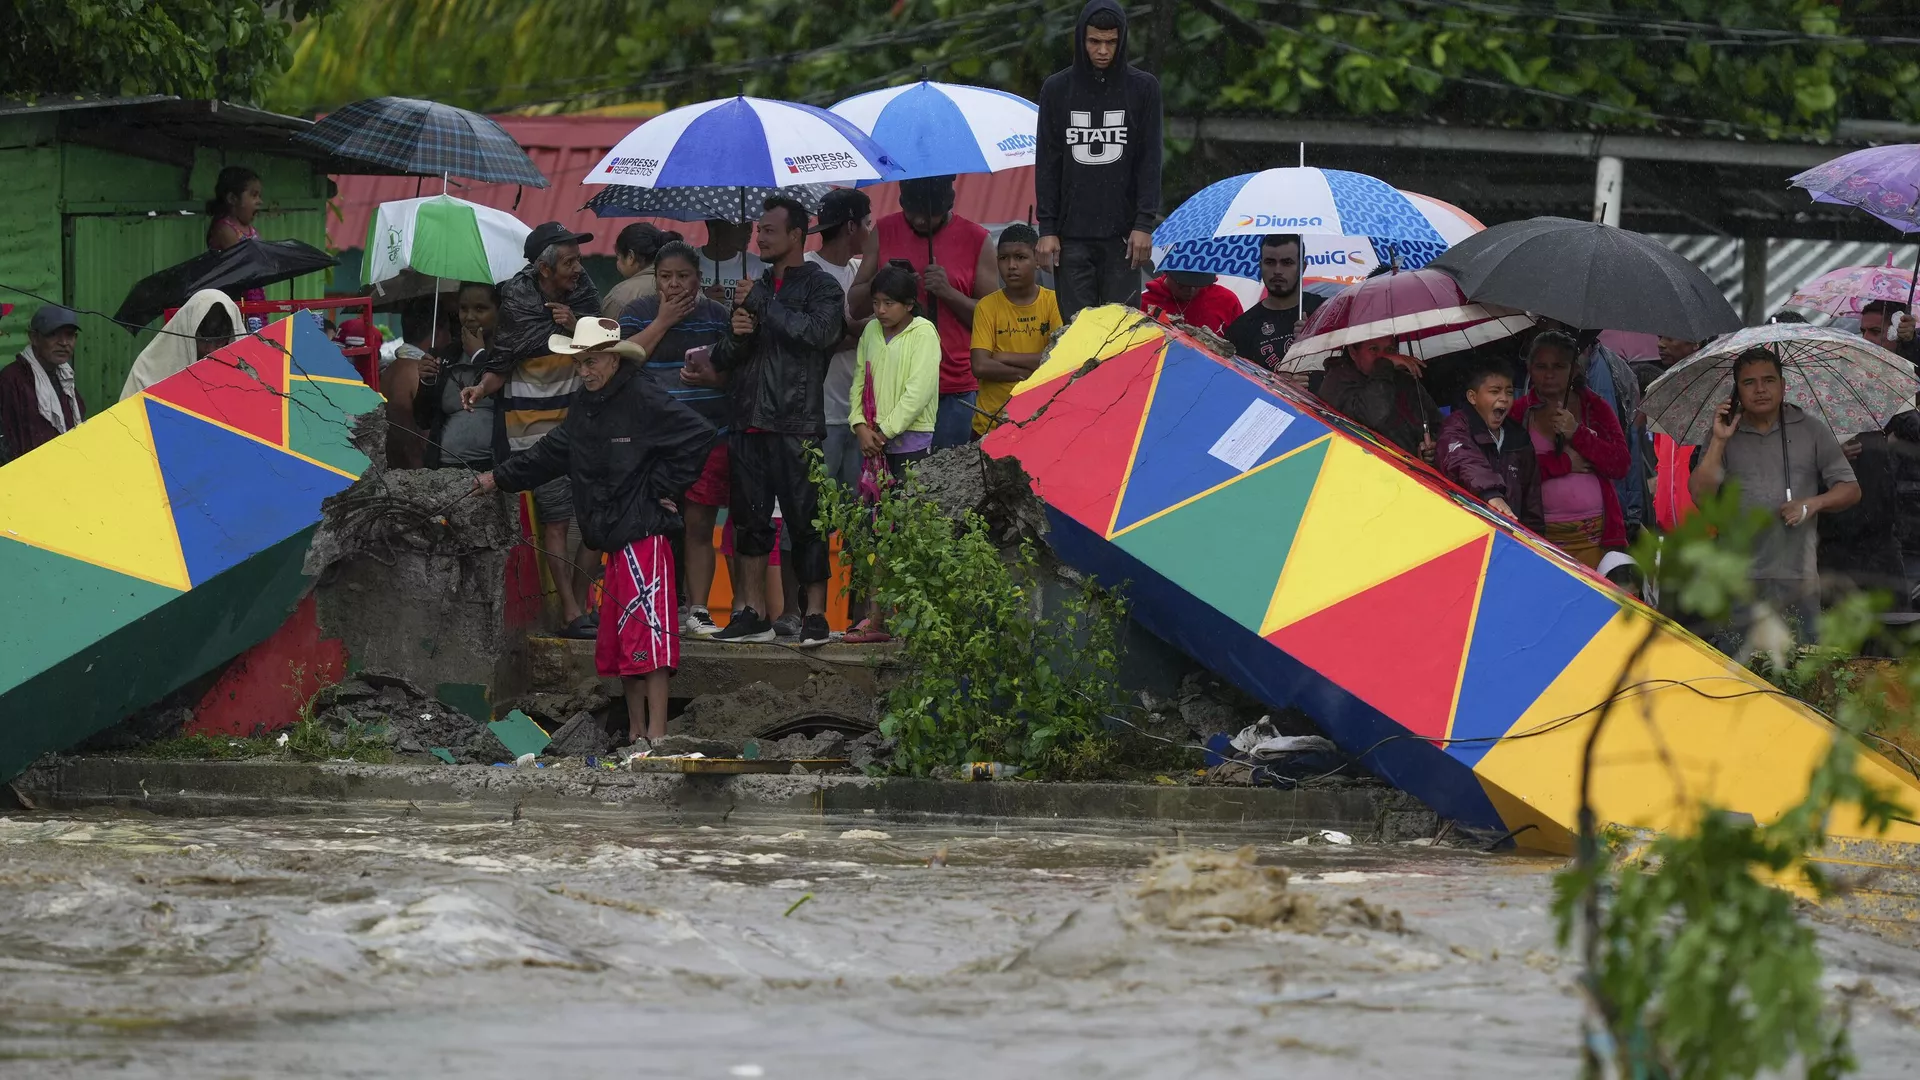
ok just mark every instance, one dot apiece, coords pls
pixel 1218 230
pixel 744 142
pixel 941 129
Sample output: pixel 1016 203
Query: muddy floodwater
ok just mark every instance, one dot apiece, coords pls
pixel 591 946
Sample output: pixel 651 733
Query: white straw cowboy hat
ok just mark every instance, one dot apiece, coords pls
pixel 595 335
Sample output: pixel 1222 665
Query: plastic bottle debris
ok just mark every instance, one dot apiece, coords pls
pixel 991 770
pixel 523 761
pixel 1324 836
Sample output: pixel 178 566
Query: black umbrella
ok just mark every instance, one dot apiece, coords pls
pixel 697 203
pixel 249 264
pixel 1590 276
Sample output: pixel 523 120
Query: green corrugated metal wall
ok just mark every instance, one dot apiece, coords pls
pixel 82 224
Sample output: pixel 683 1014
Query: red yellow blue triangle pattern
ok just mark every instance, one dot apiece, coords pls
pixel 164 492
pixel 1458 656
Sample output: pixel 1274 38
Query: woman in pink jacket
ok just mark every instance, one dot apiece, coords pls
pixel 1581 449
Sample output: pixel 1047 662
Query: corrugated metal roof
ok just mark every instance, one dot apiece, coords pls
pixel 565 147
pixel 1790 263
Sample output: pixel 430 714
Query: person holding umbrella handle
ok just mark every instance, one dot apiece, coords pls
pixel 1780 455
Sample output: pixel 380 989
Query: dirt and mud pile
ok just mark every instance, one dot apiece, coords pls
pixel 1202 889
pixel 377 704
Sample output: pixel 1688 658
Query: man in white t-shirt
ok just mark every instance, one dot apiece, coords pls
pixel 844 224
pixel 720 264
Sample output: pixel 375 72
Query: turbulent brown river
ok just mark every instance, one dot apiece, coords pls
pixel 589 946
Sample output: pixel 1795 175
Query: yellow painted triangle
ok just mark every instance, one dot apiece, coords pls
pixel 1366 522
pixel 95 494
pixel 1096 334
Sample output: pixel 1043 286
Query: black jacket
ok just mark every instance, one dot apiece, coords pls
pixel 525 322
pixel 779 371
pixel 1097 168
pixel 624 447
pixel 432 417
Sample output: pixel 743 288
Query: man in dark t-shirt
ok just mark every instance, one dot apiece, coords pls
pixel 1263 333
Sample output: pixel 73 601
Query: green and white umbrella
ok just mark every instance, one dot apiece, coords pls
pixel 418 246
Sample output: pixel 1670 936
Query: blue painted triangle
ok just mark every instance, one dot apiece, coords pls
pixel 233 497
pixel 1197 400
pixel 314 353
pixel 1534 618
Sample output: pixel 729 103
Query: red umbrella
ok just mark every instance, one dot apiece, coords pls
pixel 1424 310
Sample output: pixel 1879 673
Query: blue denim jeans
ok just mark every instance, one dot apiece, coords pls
pixel 953 426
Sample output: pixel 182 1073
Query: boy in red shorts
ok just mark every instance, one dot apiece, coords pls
pixel 630 451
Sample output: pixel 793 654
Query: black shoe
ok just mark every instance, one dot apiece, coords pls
pixel 584 628
pixel 748 625
pixel 814 632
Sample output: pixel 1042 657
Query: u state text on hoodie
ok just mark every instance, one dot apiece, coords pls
pixel 1097 171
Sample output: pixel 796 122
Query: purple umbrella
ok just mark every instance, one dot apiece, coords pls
pixel 1882 180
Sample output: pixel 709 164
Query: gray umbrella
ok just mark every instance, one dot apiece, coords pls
pixel 1590 276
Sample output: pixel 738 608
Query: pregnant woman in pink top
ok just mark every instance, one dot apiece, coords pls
pixel 1581 449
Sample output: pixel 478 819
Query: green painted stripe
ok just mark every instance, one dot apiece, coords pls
pixel 74 603
pixel 99 683
pixel 319 423
pixel 1253 517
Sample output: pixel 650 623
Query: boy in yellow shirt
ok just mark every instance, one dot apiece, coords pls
pixel 1011 326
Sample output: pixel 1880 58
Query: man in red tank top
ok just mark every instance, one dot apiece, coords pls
pixel 957 265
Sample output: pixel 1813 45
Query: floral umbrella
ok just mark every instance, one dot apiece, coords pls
pixel 1846 290
pixel 1852 385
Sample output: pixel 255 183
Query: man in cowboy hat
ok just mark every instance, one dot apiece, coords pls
pixel 630 451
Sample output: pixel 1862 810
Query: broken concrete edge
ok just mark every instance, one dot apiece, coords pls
pixel 215 788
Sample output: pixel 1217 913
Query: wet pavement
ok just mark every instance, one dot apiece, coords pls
pixel 591 946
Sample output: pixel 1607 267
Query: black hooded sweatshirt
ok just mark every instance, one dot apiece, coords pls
pixel 1097 174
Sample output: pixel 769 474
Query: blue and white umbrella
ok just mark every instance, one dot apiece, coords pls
pixel 942 129
pixel 744 142
pixel 1218 230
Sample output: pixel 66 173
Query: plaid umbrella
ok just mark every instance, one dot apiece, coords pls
pixel 733 204
pixel 424 137
pixel 1848 382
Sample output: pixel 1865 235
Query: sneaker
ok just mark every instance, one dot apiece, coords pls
pixel 747 625
pixel 700 623
pixel 787 625
pixel 814 632
pixel 584 628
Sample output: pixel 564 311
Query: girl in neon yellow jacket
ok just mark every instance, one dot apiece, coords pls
pixel 896 375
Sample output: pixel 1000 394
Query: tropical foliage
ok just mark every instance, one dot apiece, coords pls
pixel 1748 67
pixel 222 49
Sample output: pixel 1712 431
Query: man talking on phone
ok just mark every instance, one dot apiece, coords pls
pixel 1781 457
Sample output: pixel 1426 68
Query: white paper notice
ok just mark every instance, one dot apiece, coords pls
pixel 1250 436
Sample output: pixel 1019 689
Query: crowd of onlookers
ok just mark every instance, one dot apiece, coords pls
pixel 1547 427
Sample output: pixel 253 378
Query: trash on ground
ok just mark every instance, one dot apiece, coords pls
pixel 519 734
pixel 1324 836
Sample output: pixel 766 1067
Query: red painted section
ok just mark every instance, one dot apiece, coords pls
pixel 264 688
pixel 228 395
pixel 1085 448
pixel 1399 645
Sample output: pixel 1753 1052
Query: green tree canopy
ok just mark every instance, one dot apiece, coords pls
pixel 222 49
pixel 1757 68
